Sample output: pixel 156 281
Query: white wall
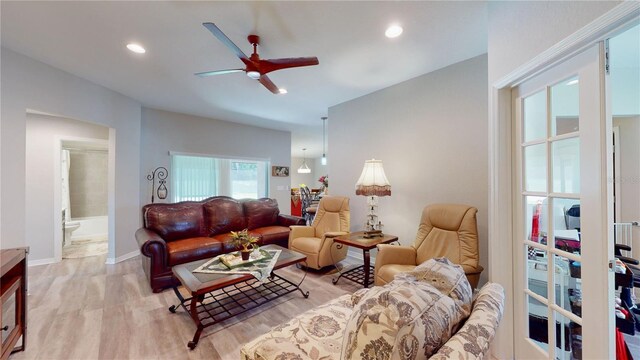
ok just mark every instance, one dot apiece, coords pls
pixel 520 30
pixel 42 132
pixel 164 131
pixel 30 84
pixel 430 133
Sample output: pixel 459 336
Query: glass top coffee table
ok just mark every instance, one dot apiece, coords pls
pixel 217 297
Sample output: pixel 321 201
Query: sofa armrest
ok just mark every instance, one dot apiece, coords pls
pixel 473 340
pixel 288 220
pixel 301 231
pixel 150 243
pixel 394 254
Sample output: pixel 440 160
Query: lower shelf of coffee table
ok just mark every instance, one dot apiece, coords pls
pixel 222 304
pixel 357 275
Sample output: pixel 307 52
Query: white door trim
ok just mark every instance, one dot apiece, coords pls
pixel 500 160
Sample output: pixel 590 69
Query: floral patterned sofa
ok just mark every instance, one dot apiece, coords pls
pixel 428 313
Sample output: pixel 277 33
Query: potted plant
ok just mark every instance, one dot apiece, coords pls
pixel 245 242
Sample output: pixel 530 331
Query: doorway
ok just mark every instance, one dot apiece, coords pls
pixel 84 175
pixel 45 220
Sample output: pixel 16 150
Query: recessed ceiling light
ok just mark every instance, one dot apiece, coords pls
pixel 573 82
pixel 393 31
pixel 138 49
pixel 283 91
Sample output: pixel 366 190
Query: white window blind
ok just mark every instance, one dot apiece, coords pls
pixel 199 177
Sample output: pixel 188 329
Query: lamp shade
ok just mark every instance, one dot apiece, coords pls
pixel 373 181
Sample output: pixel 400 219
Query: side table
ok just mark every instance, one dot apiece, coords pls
pixel 361 274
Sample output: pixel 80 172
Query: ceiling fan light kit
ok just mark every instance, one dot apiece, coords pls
pixel 255 67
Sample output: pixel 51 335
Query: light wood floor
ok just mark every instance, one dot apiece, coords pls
pixel 84 309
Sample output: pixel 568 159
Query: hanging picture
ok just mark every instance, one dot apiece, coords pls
pixel 280 171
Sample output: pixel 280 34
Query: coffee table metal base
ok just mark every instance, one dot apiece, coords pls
pixel 357 275
pixel 221 304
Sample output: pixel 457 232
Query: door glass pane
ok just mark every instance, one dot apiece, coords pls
pixel 535 116
pixel 535 168
pixel 537 275
pixel 538 323
pixel 566 165
pixel 567 278
pixel 535 221
pixel 565 107
pixel 566 224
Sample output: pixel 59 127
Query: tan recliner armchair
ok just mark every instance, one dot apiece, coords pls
pixel 316 241
pixel 446 230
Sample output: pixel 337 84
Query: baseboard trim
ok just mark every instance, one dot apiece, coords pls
pixel 41 262
pixel 112 261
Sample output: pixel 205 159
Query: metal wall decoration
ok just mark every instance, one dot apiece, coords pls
pixel 161 174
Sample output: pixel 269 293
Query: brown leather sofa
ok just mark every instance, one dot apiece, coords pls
pixel 178 233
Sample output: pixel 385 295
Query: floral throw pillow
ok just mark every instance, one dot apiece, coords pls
pixel 411 317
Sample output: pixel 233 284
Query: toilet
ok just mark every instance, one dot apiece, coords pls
pixel 69 228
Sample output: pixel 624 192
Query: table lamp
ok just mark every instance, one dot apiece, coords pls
pixel 373 183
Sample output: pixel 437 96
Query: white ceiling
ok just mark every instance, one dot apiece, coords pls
pixel 88 39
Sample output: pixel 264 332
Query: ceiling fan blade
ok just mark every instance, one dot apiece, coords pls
pixel 225 40
pixel 267 66
pixel 217 72
pixel 264 80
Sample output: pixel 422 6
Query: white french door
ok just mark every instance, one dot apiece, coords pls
pixel 562 220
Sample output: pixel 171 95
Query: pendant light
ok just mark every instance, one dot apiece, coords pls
pixel 304 168
pixel 324 156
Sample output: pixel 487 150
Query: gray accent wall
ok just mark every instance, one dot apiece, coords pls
pixel 431 134
pixel 164 131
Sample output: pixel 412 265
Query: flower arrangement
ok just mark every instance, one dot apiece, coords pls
pixel 324 180
pixel 244 241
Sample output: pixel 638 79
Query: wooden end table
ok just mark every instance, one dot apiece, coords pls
pixel 361 274
pixel 217 297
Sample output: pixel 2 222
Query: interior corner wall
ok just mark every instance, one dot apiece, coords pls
pixel 30 84
pixel 164 131
pixel 430 133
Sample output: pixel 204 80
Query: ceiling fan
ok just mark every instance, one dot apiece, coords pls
pixel 255 67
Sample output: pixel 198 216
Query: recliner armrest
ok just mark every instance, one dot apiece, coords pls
pixel 301 231
pixel 394 254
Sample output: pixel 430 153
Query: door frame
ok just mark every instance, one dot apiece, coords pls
pixel 502 181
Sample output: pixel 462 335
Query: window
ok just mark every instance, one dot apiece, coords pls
pixel 199 177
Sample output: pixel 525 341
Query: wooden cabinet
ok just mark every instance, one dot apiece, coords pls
pixel 13 296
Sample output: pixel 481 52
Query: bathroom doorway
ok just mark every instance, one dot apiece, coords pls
pixel 46 135
pixel 84 193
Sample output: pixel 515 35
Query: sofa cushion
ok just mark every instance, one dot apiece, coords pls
pixel 192 249
pixel 227 244
pixel 411 317
pixel 271 234
pixel 261 212
pixel 175 221
pixel 223 214
pixel 315 334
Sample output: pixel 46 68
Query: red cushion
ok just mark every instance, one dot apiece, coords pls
pixel 175 221
pixel 192 249
pixel 224 214
pixel 271 234
pixel 261 212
